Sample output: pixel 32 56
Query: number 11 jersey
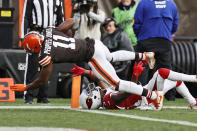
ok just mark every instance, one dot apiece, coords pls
pixel 59 48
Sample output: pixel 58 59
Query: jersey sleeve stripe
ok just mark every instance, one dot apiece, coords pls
pixel 45 61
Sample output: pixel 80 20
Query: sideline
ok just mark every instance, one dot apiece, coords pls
pixel 185 123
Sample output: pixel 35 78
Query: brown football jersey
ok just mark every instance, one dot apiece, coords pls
pixel 59 48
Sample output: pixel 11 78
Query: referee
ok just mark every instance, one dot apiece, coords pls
pixel 37 15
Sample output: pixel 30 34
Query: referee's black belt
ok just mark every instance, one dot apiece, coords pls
pixel 36 28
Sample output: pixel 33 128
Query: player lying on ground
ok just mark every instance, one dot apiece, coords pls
pixel 57 47
pixel 94 97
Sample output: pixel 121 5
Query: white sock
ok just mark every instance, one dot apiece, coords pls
pixel 122 55
pixel 175 76
pixel 184 92
pixel 168 85
pixel 133 88
pixel 130 87
pixel 160 83
pixel 157 81
pixel 152 82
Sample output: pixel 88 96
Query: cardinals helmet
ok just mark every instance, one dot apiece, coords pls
pixel 32 42
pixel 90 97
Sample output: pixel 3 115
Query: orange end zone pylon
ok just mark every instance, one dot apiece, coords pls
pixel 21 5
pixel 76 84
pixel 6 94
pixel 68 8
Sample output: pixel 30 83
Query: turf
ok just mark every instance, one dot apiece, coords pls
pixel 95 122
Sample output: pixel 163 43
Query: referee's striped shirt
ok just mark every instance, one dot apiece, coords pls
pixel 41 14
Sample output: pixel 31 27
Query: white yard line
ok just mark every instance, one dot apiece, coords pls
pixel 185 123
pixel 68 107
pixel 176 107
pixel 37 129
pixel 34 107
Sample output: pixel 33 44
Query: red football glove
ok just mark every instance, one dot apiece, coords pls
pixel 77 70
pixel 18 87
pixel 137 69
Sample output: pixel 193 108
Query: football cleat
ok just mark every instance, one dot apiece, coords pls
pixel 150 59
pixel 193 106
pixel 145 105
pixel 158 102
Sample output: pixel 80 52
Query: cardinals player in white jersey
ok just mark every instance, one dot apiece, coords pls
pixel 164 79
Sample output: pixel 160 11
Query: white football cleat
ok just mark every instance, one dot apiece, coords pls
pixel 193 106
pixel 158 102
pixel 145 105
pixel 150 59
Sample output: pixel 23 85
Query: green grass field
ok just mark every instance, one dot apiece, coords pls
pixel 66 118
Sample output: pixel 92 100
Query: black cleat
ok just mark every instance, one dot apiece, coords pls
pixel 43 100
pixel 28 101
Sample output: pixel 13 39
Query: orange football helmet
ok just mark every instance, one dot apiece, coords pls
pixel 32 42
